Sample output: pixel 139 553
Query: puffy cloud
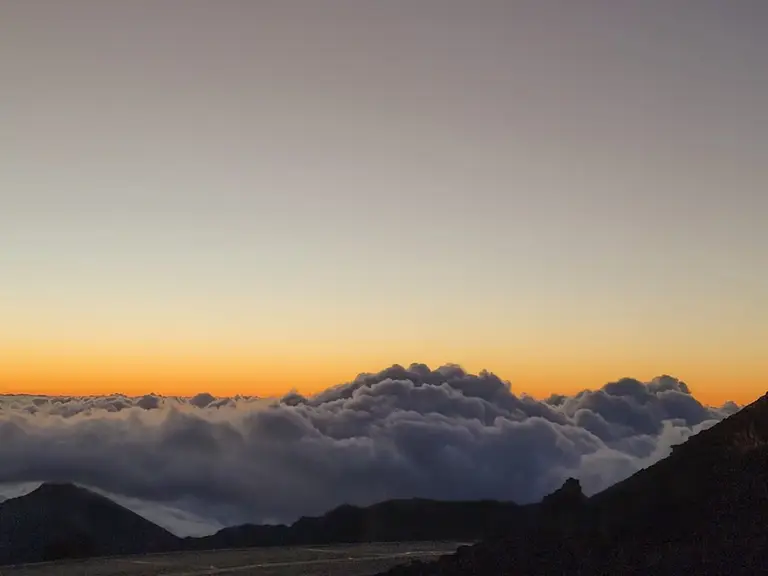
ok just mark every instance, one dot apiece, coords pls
pixel 196 464
pixel 202 400
pixel 68 406
pixel 148 402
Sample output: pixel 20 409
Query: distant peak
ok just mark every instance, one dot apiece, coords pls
pixel 57 486
pixel 61 490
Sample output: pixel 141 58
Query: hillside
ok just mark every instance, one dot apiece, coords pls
pixel 65 521
pixel 703 510
pixel 392 520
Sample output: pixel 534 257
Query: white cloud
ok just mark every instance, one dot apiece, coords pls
pixel 196 464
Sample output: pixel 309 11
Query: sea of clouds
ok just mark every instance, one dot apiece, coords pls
pixel 196 464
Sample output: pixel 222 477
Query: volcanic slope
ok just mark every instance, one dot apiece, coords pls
pixel 703 510
pixel 65 521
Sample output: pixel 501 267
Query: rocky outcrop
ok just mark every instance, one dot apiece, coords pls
pixel 567 498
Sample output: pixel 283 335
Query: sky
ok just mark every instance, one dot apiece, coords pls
pixel 252 197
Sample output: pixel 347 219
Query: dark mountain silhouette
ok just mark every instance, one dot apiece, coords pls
pixel 59 521
pixel 703 510
pixel 393 520
pixel 65 521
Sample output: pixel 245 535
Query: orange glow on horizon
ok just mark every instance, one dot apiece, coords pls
pixel 73 372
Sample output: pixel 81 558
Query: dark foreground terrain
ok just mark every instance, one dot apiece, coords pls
pixel 348 560
pixel 701 511
pixel 63 521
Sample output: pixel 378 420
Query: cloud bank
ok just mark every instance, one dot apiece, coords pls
pixel 196 464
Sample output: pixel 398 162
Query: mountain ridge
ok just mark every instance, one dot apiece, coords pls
pixel 62 520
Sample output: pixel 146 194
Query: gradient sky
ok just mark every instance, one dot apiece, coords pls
pixel 243 196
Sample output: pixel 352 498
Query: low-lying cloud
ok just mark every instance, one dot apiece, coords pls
pixel 196 464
